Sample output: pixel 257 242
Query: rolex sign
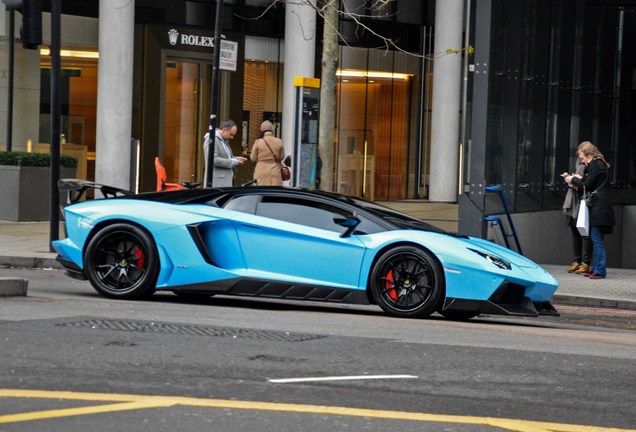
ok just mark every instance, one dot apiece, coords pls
pixel 229 49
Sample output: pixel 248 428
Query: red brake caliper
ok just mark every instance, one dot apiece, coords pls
pixel 389 285
pixel 139 256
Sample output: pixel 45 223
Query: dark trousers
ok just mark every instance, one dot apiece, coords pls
pixel 581 246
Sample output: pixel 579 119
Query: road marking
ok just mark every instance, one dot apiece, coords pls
pixel 69 412
pixel 129 402
pixel 340 378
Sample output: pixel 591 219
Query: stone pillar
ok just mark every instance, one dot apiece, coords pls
pixel 300 49
pixel 114 92
pixel 26 87
pixel 444 171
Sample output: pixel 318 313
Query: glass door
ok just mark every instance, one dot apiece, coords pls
pixel 373 139
pixel 181 120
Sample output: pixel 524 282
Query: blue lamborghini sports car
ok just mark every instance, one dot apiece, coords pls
pixel 288 243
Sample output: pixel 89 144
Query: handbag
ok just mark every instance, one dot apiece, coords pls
pixel 285 173
pixel 591 197
pixel 583 219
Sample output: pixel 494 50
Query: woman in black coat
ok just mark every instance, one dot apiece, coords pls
pixel 597 182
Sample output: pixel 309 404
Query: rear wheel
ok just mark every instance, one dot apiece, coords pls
pixel 121 261
pixel 407 282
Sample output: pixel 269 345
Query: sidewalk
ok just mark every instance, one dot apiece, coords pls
pixel 26 244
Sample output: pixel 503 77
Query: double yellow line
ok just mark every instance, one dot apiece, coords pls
pixel 126 402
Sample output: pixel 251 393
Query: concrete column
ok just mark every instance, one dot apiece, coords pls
pixel 4 28
pixel 300 49
pixel 26 87
pixel 114 92
pixel 444 172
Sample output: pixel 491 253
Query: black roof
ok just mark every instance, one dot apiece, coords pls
pixel 392 219
pixel 192 196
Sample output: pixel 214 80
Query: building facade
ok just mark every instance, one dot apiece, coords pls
pixel 545 75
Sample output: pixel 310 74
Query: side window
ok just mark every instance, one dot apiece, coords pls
pixel 299 211
pixel 242 203
pixel 310 213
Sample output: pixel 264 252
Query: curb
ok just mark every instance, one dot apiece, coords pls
pixel 13 287
pixel 568 300
pixel 29 262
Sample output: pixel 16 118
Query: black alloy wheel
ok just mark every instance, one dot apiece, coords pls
pixel 407 282
pixel 121 261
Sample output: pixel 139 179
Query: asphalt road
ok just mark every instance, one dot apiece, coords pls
pixel 170 364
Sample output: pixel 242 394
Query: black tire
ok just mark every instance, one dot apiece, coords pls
pixel 121 261
pixel 407 282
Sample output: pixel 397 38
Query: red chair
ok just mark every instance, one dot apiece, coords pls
pixel 162 177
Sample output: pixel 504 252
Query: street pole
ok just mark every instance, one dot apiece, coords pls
pixel 214 90
pixel 11 45
pixel 56 69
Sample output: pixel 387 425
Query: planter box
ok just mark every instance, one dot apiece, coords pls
pixel 25 194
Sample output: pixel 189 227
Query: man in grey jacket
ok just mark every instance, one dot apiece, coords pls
pixel 224 161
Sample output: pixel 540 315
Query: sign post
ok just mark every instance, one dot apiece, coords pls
pixel 214 97
pixel 56 119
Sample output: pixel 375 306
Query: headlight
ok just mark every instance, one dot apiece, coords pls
pixel 499 262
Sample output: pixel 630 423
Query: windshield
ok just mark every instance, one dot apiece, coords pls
pixel 400 220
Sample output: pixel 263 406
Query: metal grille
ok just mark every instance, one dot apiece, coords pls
pixel 190 330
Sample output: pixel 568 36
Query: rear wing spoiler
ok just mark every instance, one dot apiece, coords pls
pixel 76 190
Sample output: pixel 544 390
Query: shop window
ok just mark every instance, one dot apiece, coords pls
pixel 78 107
pixel 181 119
pixel 262 99
pixel 373 134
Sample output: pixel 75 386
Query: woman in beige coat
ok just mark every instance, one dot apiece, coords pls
pixel 268 152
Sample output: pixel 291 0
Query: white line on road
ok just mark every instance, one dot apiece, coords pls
pixel 340 378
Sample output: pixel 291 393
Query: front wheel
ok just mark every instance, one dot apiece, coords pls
pixel 121 261
pixel 407 282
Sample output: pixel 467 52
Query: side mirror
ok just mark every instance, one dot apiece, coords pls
pixel 350 223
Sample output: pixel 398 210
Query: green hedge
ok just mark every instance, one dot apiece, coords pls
pixel 19 158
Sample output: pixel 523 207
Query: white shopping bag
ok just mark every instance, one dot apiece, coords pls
pixel 583 220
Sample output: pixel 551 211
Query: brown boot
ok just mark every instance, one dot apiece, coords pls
pixel 574 267
pixel 583 268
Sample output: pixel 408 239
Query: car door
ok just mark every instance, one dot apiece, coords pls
pixel 296 239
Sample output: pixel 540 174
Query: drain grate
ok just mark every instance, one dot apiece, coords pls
pixel 187 329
